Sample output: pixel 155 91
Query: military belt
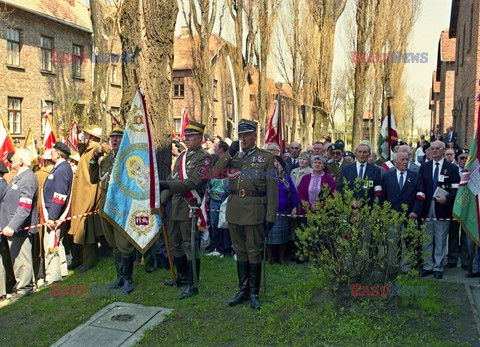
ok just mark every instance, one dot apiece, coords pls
pixel 248 193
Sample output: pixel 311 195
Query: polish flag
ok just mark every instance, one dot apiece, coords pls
pixel 6 142
pixel 275 131
pixel 73 136
pixel 184 123
pixel 48 136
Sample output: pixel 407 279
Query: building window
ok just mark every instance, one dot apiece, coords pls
pixel 77 61
pixel 178 87
pixel 215 90
pixel 47 109
pixel 214 124
pixel 47 47
pixel 14 115
pixel 114 79
pixel 13 47
pixel 177 125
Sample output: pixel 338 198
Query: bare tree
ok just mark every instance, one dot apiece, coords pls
pixel 325 14
pixel 201 22
pixel 267 14
pixel 242 13
pixel 139 24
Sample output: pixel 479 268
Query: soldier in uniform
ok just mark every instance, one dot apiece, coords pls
pixel 337 163
pixel 86 198
pixel 187 181
pixel 55 207
pixel 251 207
pixel 123 250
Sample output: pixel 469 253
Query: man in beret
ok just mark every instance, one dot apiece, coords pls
pixel 55 207
pixel 186 186
pixel 251 208
pixel 85 198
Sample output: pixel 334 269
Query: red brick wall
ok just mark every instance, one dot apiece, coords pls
pixel 468 71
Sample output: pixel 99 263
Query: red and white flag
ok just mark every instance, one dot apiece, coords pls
pixel 184 123
pixel 73 136
pixel 275 131
pixel 6 142
pixel 49 136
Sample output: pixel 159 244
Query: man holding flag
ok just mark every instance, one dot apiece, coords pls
pixel 186 187
pixel 467 202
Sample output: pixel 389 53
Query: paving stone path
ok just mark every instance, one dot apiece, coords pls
pixel 118 324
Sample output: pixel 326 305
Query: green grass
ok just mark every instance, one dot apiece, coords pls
pixel 294 312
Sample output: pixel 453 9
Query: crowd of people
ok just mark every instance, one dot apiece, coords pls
pixel 256 197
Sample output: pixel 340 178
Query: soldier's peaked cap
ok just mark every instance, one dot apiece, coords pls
pixel 93 130
pixel 247 126
pixel 194 128
pixel 61 147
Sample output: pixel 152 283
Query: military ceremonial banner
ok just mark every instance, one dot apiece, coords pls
pixel 6 142
pixel 467 202
pixel 133 199
pixel 276 131
pixel 72 139
pixel 30 145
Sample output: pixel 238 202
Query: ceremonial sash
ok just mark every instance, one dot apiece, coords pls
pixel 194 197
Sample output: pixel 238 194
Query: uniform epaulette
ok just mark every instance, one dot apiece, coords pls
pixel 264 151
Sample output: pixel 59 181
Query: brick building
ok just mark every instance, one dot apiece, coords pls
pixel 464 26
pixel 434 103
pixel 46 67
pixel 445 74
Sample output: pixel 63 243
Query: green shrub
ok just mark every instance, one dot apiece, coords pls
pixel 346 242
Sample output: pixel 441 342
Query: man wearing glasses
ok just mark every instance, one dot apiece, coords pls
pixel 334 168
pixel 440 179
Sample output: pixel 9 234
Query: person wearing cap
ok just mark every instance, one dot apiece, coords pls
pixel 16 142
pixel 73 160
pixel 335 166
pixel 123 250
pixel 55 207
pixel 18 210
pixel 37 240
pixel 349 157
pixel 85 198
pixel 251 207
pixel 185 187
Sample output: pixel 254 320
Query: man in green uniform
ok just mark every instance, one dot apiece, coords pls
pixel 186 186
pixel 251 207
pixel 123 250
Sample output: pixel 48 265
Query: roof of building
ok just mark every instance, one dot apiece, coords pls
pixel 183 53
pixel 76 15
pixel 447 46
pixel 452 30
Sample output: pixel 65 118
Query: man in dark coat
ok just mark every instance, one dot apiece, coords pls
pixel 440 179
pixel 18 210
pixel 55 207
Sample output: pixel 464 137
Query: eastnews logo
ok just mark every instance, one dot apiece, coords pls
pixel 93 290
pixel 389 57
pixel 393 290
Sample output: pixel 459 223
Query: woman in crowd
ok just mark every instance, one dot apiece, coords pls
pixel 310 189
pixel 303 169
pixel 287 204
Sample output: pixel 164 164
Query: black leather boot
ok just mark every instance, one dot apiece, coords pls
pixel 128 273
pixel 182 272
pixel 117 257
pixel 242 295
pixel 191 290
pixel 255 274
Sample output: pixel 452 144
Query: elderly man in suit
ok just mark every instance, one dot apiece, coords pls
pixel 440 179
pixel 450 136
pixel 293 161
pixel 368 174
pixel 18 210
pixel 403 186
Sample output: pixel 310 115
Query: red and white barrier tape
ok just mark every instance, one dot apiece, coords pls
pixel 61 221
